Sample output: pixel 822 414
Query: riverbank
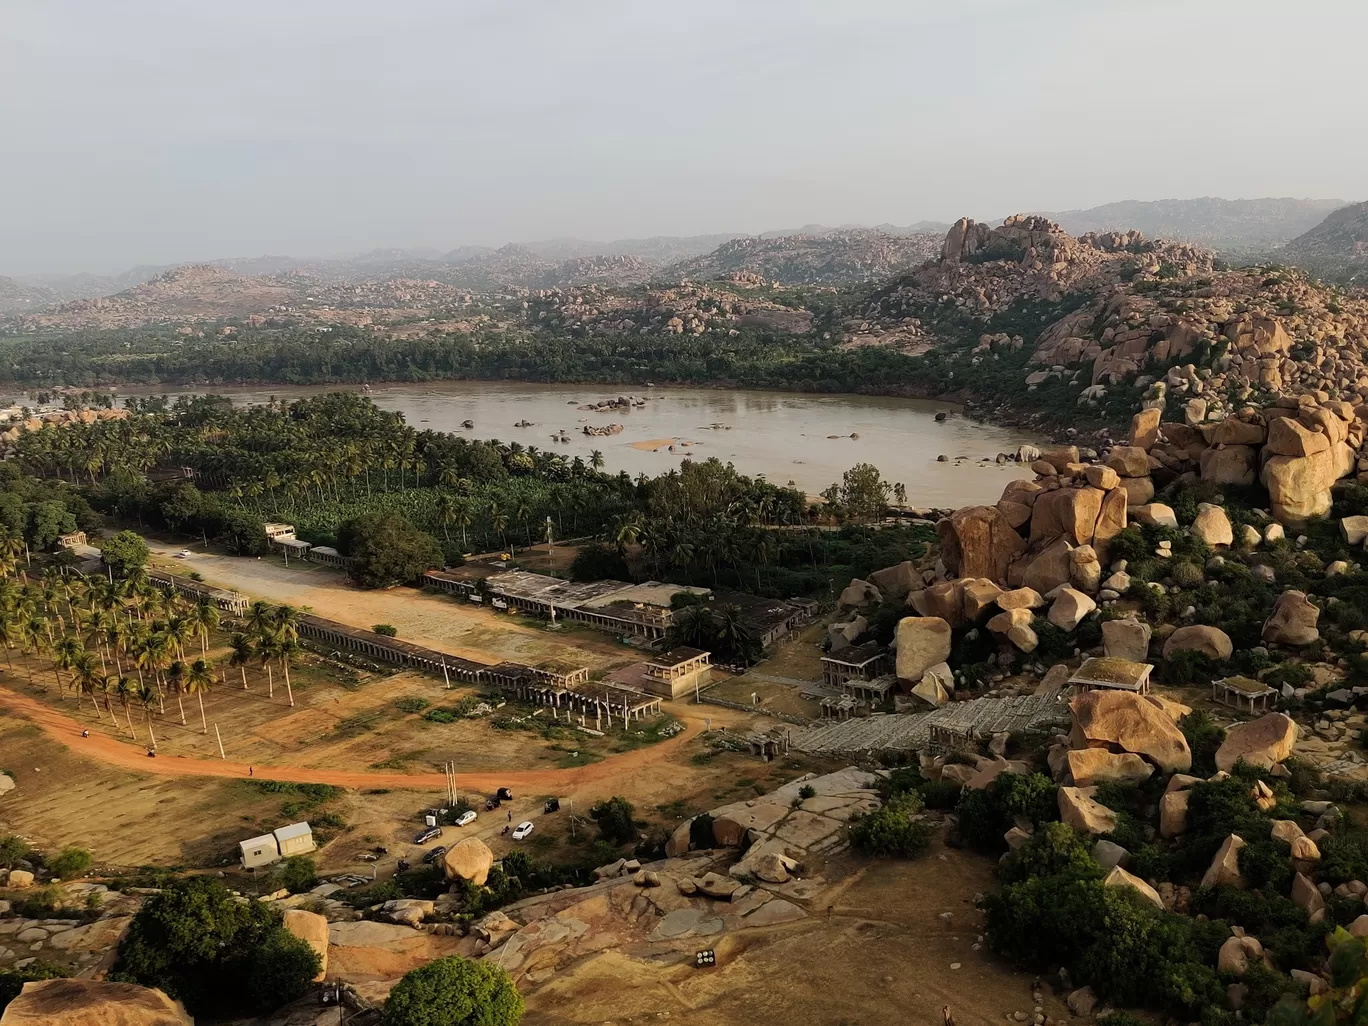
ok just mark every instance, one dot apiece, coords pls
pixel 808 439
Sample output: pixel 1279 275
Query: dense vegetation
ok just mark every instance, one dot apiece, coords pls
pixel 216 954
pixel 347 473
pixel 454 992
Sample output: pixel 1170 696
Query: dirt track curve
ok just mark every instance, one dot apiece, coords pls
pixel 101 746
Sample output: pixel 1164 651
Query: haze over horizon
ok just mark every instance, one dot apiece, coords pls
pixel 152 132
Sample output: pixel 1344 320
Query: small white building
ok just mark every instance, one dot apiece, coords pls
pixel 295 839
pixel 275 530
pixel 259 851
pixel 281 843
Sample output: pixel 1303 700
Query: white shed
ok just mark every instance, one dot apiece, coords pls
pixel 295 839
pixel 259 851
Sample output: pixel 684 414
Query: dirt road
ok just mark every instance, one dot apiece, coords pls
pixel 101 746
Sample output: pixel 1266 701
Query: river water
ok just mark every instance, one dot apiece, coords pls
pixel 799 438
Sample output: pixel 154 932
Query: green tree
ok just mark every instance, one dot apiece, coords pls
pixel 892 830
pixel 386 550
pixel 298 873
pixel 200 944
pixel 454 992
pixel 614 819
pixel 281 970
pixel 125 553
pixel 864 493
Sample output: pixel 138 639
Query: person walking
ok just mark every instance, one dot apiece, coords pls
pixel 510 815
pixel 250 771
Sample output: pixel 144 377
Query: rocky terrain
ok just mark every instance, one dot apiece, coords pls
pixel 837 257
pixel 193 292
pixel 1237 226
pixel 684 309
pixel 1338 242
pixel 16 297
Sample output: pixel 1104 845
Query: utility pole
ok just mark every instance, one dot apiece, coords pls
pixel 220 741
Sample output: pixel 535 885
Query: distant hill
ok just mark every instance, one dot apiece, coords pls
pixel 16 297
pixel 195 291
pixel 1342 238
pixel 836 257
pixel 1235 226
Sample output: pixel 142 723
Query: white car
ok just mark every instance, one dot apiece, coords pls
pixel 522 830
pixel 466 818
pixel 184 554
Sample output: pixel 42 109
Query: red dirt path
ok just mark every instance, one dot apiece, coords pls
pixel 101 746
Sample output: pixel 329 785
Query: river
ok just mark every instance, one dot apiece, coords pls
pixel 799 438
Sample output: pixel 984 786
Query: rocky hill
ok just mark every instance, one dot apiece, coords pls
pixel 1123 315
pixel 16 297
pixel 835 258
pixel 691 309
pixel 1254 225
pixel 193 292
pixel 1342 238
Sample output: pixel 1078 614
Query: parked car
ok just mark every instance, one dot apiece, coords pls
pixel 552 805
pixel 183 554
pixel 522 830
pixel 427 834
pixel 434 854
pixel 504 794
pixel 466 818
pixel 492 804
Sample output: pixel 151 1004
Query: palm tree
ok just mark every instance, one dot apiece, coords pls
pixel 35 634
pixel 65 651
pixel 204 618
pixel 596 460
pixel 242 654
pixel 148 698
pixel 87 679
pixel 259 619
pixel 286 620
pixel 285 647
pixel 199 679
pixel 265 652
pixel 126 690
pixel 175 683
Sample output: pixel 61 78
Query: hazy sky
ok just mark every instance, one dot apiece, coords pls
pixel 155 131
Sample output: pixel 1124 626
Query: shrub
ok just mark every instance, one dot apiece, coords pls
pixel 1187 575
pixel 943 794
pixel 12 980
pixel 1130 546
pixel 807 791
pixel 454 991
pixel 411 704
pixel 1186 668
pixel 13 849
pixel 892 830
pixel 1129 951
pixel 986 814
pixel 298 873
pixel 1203 736
pixel 69 862
pixel 1054 848
pixel 388 630
pixel 614 819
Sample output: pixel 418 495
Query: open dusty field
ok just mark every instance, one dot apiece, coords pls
pixel 881 956
pixel 441 622
pixel 190 805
